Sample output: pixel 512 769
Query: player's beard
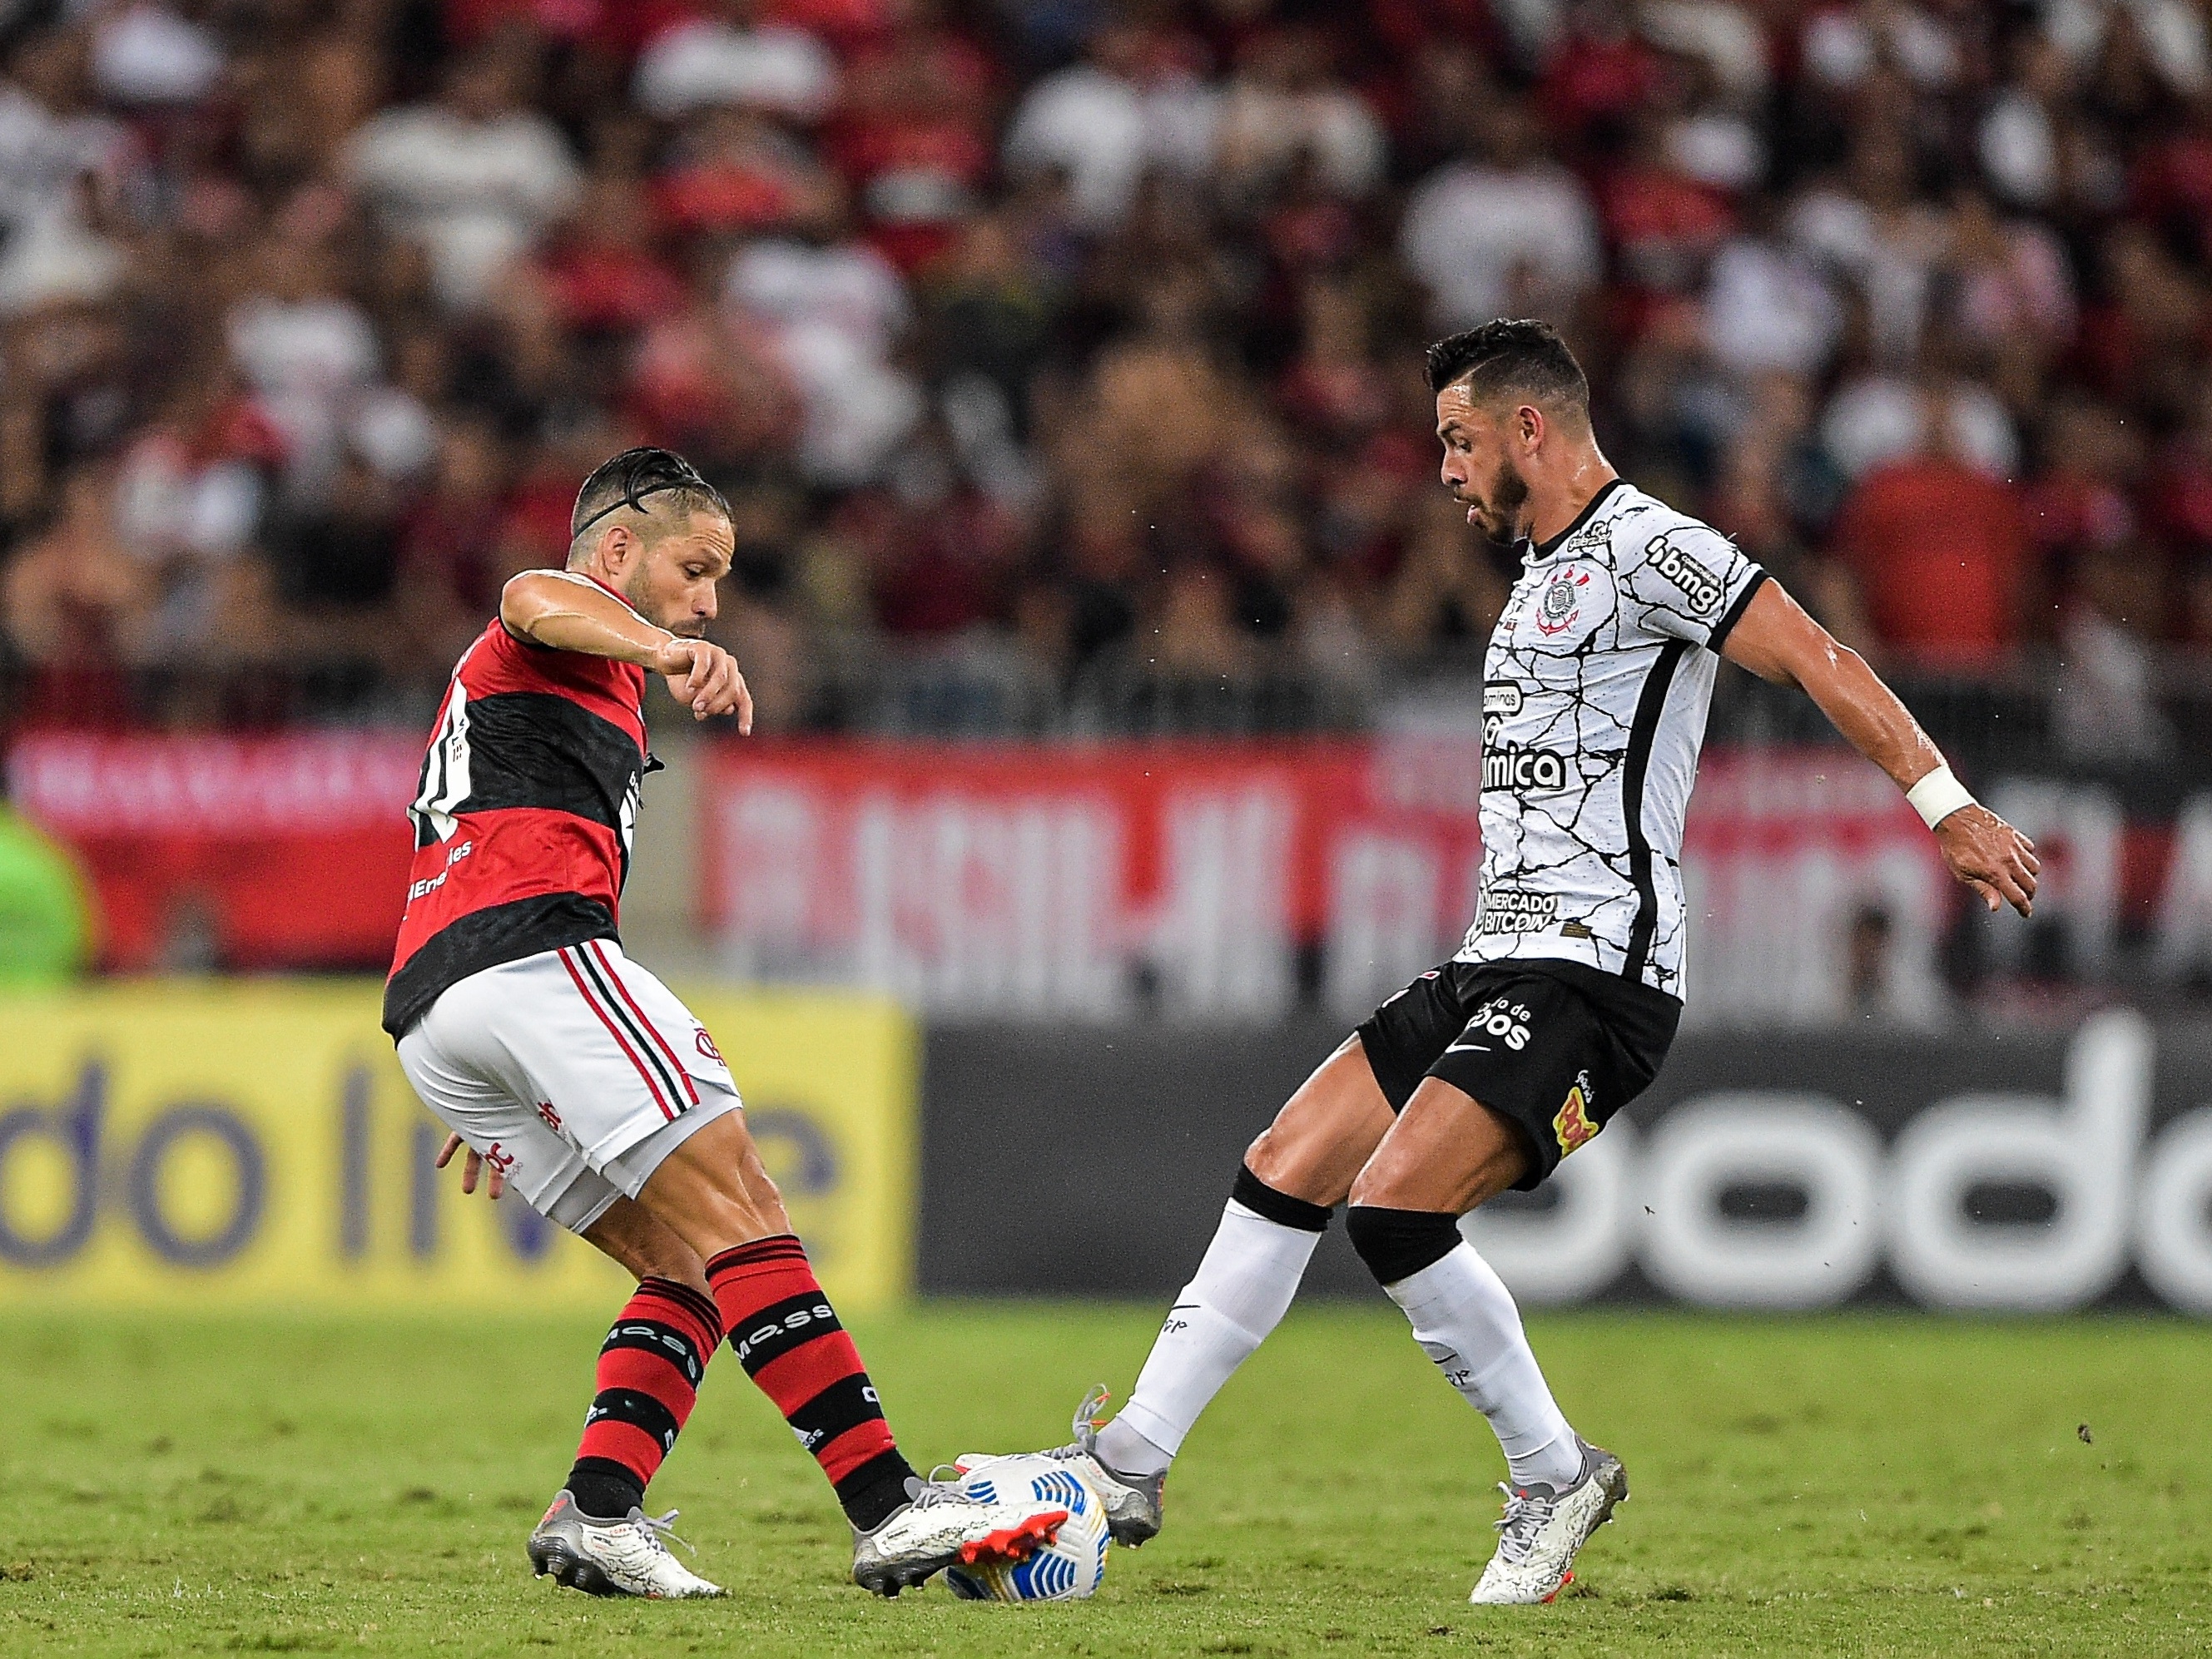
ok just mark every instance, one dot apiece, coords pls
pixel 1498 516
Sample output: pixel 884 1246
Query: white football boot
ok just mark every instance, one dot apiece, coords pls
pixel 938 1526
pixel 1544 1528
pixel 1132 1501
pixel 613 1557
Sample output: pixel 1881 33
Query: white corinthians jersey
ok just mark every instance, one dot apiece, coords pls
pixel 1593 704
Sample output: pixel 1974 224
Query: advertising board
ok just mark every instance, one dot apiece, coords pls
pixel 163 1145
pixel 1997 1169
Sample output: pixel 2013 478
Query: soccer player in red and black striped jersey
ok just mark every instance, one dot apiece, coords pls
pixel 583 1082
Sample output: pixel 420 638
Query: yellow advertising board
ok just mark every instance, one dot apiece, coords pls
pixel 194 1144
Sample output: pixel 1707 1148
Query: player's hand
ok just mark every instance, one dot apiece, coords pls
pixel 1991 856
pixel 472 1168
pixel 701 674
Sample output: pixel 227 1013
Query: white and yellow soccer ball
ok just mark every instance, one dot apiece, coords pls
pixel 1069 1568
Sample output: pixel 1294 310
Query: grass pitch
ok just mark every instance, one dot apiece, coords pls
pixel 1877 1485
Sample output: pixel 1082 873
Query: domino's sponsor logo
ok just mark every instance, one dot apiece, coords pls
pixel 1509 912
pixel 1698 585
pixel 1519 770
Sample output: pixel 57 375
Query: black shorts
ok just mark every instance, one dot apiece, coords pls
pixel 1553 1047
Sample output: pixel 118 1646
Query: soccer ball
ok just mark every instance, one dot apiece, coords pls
pixel 1065 1570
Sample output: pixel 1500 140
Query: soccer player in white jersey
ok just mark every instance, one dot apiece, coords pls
pixel 1560 1005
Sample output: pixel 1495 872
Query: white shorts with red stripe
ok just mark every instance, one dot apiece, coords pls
pixel 574 1072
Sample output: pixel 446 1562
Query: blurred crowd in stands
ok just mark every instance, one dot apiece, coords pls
pixel 1085 334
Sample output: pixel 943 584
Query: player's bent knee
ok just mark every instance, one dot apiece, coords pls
pixel 1396 1244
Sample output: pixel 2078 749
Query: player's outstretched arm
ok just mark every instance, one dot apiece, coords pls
pixel 573 613
pixel 1778 642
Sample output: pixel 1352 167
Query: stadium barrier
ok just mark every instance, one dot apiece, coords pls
pixel 1224 880
pixel 1238 881
pixel 2005 1170
pixel 200 848
pixel 172 1144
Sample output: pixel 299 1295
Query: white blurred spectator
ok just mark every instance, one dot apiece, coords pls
pixel 310 352
pixel 834 314
pixel 1284 103
pixel 1767 307
pixel 2108 707
pixel 728 56
pixel 50 138
pixel 2018 136
pixel 1724 36
pixel 144 54
pixel 2172 31
pixel 1884 418
pixel 1716 147
pixel 1877 236
pixel 390 430
pixel 1128 108
pixel 474 176
pixel 168 502
pixel 1511 231
pixel 1845 45
pixel 51 259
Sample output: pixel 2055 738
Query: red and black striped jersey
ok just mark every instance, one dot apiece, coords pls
pixel 528 797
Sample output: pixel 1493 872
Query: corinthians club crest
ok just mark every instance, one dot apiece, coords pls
pixel 1562 602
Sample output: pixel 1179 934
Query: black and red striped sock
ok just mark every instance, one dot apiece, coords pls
pixel 649 1372
pixel 788 1340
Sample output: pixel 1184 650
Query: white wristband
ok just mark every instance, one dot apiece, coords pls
pixel 1938 795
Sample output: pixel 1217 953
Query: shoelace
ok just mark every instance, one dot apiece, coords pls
pixel 1525 1516
pixel 656 1527
pixel 935 1494
pixel 1084 1426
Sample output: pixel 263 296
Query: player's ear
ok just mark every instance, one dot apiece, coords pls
pixel 617 547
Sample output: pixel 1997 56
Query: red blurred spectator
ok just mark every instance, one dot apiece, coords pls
pixel 616 27
pixel 1598 75
pixel 1335 386
pixel 2082 501
pixel 449 539
pixel 914 142
pixel 736 173
pixel 1942 554
pixel 601 274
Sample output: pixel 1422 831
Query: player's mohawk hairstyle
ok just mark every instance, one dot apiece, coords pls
pixel 1517 357
pixel 629 478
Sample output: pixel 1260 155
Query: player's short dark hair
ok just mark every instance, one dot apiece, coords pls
pixel 628 479
pixel 1511 357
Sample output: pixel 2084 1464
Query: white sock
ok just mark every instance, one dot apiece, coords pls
pixel 1240 1293
pixel 1465 1319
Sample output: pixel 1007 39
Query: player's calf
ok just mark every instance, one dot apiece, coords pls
pixel 596 1537
pixel 648 1375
